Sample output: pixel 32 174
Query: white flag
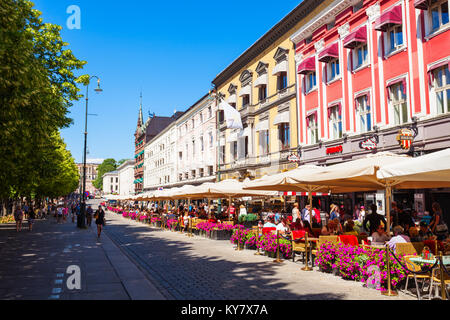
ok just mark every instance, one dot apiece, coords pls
pixel 232 116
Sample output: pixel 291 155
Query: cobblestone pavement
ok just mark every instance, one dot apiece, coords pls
pixel 203 269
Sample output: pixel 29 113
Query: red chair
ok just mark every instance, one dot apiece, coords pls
pixel 298 234
pixel 349 239
pixel 268 230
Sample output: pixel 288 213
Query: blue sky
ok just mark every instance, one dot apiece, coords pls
pixel 171 50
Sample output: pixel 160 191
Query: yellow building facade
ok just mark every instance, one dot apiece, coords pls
pixel 261 85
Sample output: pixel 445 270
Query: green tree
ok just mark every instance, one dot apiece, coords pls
pixel 107 165
pixel 37 87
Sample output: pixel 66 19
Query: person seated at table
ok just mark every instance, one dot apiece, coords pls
pixel 270 223
pixel 414 234
pixel 399 237
pixel 424 232
pixel 349 228
pixel 297 224
pixel 283 227
pixel 379 237
pixel 331 228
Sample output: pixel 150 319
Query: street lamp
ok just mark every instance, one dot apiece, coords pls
pixel 81 222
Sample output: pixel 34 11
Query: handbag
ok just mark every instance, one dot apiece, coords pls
pixel 441 228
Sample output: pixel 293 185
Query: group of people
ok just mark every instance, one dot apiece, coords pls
pixel 59 212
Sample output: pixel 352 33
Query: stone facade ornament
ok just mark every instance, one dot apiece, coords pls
pixel 319 45
pixel 373 12
pixel 344 30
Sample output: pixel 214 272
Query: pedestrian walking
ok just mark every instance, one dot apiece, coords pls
pixel 89 213
pixel 59 213
pixel 31 217
pixel 65 211
pixel 99 220
pixel 18 216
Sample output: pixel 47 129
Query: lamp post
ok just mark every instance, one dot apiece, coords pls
pixel 81 222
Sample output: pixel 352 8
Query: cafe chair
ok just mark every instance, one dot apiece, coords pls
pixel 298 246
pixel 415 268
pixel 436 282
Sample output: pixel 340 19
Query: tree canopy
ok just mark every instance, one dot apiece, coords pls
pixel 37 88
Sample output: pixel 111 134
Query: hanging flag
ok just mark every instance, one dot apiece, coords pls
pixel 232 116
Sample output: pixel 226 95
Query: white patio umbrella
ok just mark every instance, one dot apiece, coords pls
pixel 428 171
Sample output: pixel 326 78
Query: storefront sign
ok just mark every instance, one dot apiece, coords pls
pixel 333 150
pixel 368 144
pixel 405 138
pixel 294 158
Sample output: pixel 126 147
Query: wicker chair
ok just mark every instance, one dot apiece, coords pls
pixel 409 248
pixel 298 247
pixel 415 268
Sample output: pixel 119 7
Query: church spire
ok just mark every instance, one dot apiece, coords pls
pixel 141 116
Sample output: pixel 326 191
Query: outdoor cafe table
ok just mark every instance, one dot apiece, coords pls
pixel 445 260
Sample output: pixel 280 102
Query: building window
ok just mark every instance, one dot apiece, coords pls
pixel 201 172
pixel 357 6
pixel 284 136
pixel 222 154
pixel 221 116
pixel 359 54
pixel 117 180
pixel 333 69
pixel 186 176
pixel 313 129
pixel 117 187
pixel 210 170
pixel 245 101
pixel 211 141
pixel 310 81
pixel 394 38
pixel 193 173
pixel 234 150
pixel 282 81
pixel 209 112
pixel 399 104
pixel 442 89
pixel 180 155
pixel 364 114
pixel 202 144
pixel 246 147
pixel 180 177
pixel 262 92
pixel 335 117
pixel 112 180
pixel 201 117
pixel 264 142
pixel 193 148
pixel 438 14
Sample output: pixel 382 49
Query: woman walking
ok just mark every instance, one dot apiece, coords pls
pixel 31 217
pixel 99 220
pixel 18 216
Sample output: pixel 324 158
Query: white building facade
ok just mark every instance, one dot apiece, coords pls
pixel 126 178
pixel 160 159
pixel 197 144
pixel 111 183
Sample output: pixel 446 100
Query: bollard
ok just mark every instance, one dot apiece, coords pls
pixel 278 260
pixel 238 248
pixel 306 267
pixel 441 269
pixel 389 291
pixel 258 253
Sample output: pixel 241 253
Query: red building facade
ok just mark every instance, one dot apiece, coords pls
pixel 366 70
pixel 139 142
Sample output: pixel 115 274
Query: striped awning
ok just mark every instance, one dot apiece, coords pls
pixel 293 193
pixel 389 18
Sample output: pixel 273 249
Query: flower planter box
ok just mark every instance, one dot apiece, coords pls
pixel 250 247
pixel 220 235
pixel 270 254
